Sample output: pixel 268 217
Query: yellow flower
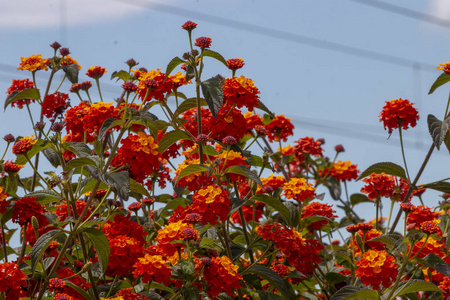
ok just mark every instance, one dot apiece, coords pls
pixel 34 63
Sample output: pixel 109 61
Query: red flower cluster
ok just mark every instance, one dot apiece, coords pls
pixel 3 203
pixel 420 215
pixel 399 112
pixel 280 128
pixel 222 276
pixel 20 85
pixel 24 145
pixel 25 208
pixel 153 268
pixel 235 63
pixel 96 72
pixel 240 92
pixel 298 189
pixel 344 171
pixel 378 185
pixel 12 281
pixel 318 209
pixel 54 104
pixel 308 146
pixel 155 85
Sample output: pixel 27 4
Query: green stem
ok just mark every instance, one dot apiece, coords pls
pixel 61 83
pixel 389 218
pixel 403 152
pixel 98 87
pixel 5 253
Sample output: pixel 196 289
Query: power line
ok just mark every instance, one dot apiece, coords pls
pixel 406 12
pixel 283 35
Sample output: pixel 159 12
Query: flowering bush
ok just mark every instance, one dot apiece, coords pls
pixel 199 205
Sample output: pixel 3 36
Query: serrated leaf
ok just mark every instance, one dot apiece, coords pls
pixel 244 171
pixel 189 104
pixel 438 129
pixel 52 156
pixel 138 188
pixel 191 169
pixel 80 149
pixel 124 75
pixel 264 108
pixel 207 242
pixel 171 138
pixel 442 79
pixel 415 286
pixel 107 125
pixel 45 196
pixel 216 55
pixel 176 61
pixel 334 186
pixel 120 181
pixel 101 245
pixel 386 167
pixel 71 72
pixel 38 147
pixel 441 186
pixel 274 279
pixel 438 264
pixel 354 292
pixel 293 213
pixel 213 93
pixel 332 278
pixel 79 162
pixel 358 198
pixel 41 244
pixel 89 186
pixel 23 94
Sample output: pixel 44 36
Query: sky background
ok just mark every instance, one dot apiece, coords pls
pixel 328 65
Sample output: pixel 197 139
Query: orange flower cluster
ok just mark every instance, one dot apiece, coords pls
pixel 432 246
pixel 309 146
pixel 3 203
pixel 33 63
pixel 20 85
pixel 86 120
pixel 271 182
pixel 318 209
pixel 235 63
pixel 12 281
pixel 10 167
pixel 240 92
pixel 25 208
pixel 54 104
pixel 299 189
pixel 195 180
pixel 444 67
pixel 124 253
pixel 153 268
pixel 68 60
pixel 399 112
pixel 76 280
pixel 280 128
pixel 420 215
pixel 344 171
pixel 62 211
pixel 170 233
pixel 24 145
pixel 376 268
pixel 140 153
pixel 253 120
pixel 248 213
pixel 378 185
pixel 222 276
pixel 366 236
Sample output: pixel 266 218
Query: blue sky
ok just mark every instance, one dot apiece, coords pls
pixel 327 93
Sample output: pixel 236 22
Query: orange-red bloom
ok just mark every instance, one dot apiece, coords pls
pixel 399 112
pixel 378 185
pixel 25 208
pixel 240 92
pixel 24 145
pixel 280 128
pixel 20 85
pixel 125 252
pixel 344 171
pixel 3 203
pixel 10 167
pixel 299 189
pixel 203 42
pixel 13 282
pixel 96 72
pixel 444 67
pixel 153 268
pixel 54 104
pixel 221 276
pixel 376 268
pixel 420 215
pixel 33 63
pixel 318 209
pixel 235 63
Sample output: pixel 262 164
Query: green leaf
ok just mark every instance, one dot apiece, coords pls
pixel 79 162
pixel 107 125
pixel 440 186
pixel 264 108
pixel 386 167
pixel 447 140
pixel 41 244
pixel 437 129
pixel 273 278
pixel 124 75
pixel 191 169
pixel 311 219
pixel 80 149
pixel 213 93
pixel 161 287
pixel 333 278
pixel 38 147
pixel 274 203
pixel 172 205
pixel 256 161
pixel 79 290
pixel 354 292
pixel 176 61
pixel 101 245
pixel 171 138
pixel 442 79
pixel 120 181
pixel 244 171
pixel 138 188
pixel 52 156
pixel 71 72
pixel 334 186
pixel 90 186
pixel 216 55
pixel 438 264
pixel 189 104
pixel 415 286
pixel 389 240
pixel 24 94
pixel 45 196
pixel 358 198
